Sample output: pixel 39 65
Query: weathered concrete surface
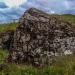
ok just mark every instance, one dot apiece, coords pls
pixel 39 37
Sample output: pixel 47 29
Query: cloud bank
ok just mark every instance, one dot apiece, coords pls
pixel 50 6
pixel 3 5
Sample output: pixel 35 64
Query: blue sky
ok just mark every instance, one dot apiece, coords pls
pixel 13 9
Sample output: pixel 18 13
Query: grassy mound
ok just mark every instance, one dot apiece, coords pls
pixel 6 27
pixel 66 17
pixel 3 55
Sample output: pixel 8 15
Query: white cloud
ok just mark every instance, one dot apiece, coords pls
pixel 14 3
pixel 18 7
pixel 52 12
pixel 67 4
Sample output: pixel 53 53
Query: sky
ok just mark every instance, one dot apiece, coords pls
pixel 13 9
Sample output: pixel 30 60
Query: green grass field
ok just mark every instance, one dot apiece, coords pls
pixel 6 27
pixel 64 65
pixel 66 17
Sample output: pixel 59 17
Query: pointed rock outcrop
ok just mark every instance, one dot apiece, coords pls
pixel 39 37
